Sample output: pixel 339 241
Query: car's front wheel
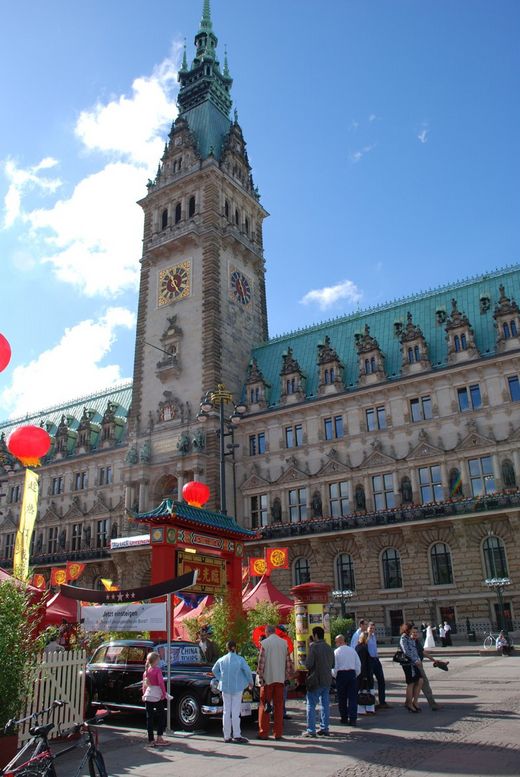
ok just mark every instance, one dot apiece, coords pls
pixel 187 711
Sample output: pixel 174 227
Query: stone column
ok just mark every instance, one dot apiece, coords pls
pixel 414 480
pixel 497 474
pixel 445 480
pixel 143 495
pixel 129 496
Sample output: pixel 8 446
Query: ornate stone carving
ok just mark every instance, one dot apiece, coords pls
pixel 507 322
pixel 414 349
pixel 293 379
pixel 371 360
pixel 330 368
pixel 459 335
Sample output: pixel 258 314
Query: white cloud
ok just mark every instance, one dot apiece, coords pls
pixel 424 132
pixel 372 117
pixel 356 156
pixel 21 181
pixel 76 359
pixel 92 239
pixel 329 295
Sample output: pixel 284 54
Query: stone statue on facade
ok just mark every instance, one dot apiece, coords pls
pixel 276 509
pixel 131 456
pixel 146 453
pixel 183 445
pixel 316 506
pixel 406 491
pixel 359 498
pixel 508 474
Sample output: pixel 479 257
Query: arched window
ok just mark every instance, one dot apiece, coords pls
pixel 410 355
pixel 367 367
pixel 345 572
pixel 257 394
pixel 191 207
pixel 495 557
pixel 178 212
pixel 505 329
pixel 456 340
pixel 246 225
pixel 291 385
pixel 417 353
pixel 301 571
pixel 440 557
pixel 373 364
pixel 463 342
pixel 332 375
pixel 391 563
pixel 237 217
pixel 326 376
pixel 514 330
pixel 164 218
pixel 226 209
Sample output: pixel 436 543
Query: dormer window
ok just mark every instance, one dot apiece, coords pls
pixel 459 335
pixel 256 387
pixel 507 321
pixel 414 349
pixel 293 379
pixel 330 368
pixel 371 358
pixel 461 343
pixel 414 355
pixel 164 218
pixel 290 386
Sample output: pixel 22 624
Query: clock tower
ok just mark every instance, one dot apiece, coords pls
pixel 202 300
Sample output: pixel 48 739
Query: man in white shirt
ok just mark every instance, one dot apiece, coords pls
pixel 347 667
pixel 358 631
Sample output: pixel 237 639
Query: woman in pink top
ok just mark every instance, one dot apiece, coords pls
pixel 154 697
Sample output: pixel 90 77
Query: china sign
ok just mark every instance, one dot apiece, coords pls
pixel 212 571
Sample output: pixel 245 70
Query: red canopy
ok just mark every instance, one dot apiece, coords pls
pixel 59 608
pixel 266 591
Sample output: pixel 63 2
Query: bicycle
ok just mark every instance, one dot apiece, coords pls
pixel 41 761
pixel 490 641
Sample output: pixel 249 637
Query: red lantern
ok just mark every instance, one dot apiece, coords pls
pixel 29 444
pixel 5 353
pixel 195 493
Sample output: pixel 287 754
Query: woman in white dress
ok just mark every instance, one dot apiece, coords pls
pixel 429 642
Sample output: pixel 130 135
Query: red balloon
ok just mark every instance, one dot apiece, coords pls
pixel 5 353
pixel 29 444
pixel 196 493
pixel 259 632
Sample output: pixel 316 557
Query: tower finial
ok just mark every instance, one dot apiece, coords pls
pixel 205 22
pixel 184 65
pixel 225 72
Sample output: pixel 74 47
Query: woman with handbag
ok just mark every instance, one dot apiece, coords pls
pixel 154 697
pixel 411 668
pixel 366 694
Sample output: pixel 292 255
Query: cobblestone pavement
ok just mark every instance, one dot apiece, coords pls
pixel 476 732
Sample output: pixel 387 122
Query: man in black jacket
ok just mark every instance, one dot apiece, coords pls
pixel 319 663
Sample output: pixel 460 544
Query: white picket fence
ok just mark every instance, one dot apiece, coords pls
pixel 58 676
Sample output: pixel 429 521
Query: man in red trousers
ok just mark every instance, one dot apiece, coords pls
pixel 274 668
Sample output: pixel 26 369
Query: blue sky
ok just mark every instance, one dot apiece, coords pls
pixel 383 137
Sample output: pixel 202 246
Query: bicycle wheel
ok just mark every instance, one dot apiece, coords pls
pixel 44 769
pixel 488 643
pixel 96 765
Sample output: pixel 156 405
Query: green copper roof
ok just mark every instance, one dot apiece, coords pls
pixel 204 96
pixel 195 515
pixel 73 410
pixel 381 320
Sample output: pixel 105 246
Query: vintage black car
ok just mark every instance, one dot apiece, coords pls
pixel 115 672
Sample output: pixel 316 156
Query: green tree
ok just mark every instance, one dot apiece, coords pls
pixel 19 619
pixel 343 626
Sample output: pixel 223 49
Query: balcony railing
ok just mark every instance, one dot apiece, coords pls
pixel 61 556
pixel 452 507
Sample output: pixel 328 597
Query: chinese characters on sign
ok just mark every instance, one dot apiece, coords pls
pixel 212 571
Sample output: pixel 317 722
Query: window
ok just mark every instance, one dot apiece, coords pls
pixel 514 388
pixel 191 207
pixel 77 530
pixel 329 375
pixel 237 217
pixel 333 427
pixel 461 343
pixel 105 476
pixel 164 218
pixel 297 504
pixel 391 563
pixel 178 212
pixel 431 484
pixel 102 533
pixel 481 476
pixel 338 499
pixel 469 398
pixel 246 225
pixel 509 329
pixel 441 564
pixel 495 557
pixel 383 490
pixel 414 354
pixel 258 511
pixel 370 366
pixel 421 409
pixel 345 572
pixel 294 436
pixel 52 540
pixel 254 395
pixel 290 385
pixel 57 486
pixel 301 571
pixel 226 209
pixel 80 481
pixel 9 545
pixel 376 418
pixel 256 444
pixel 14 494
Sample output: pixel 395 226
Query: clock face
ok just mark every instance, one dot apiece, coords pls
pixel 240 287
pixel 174 283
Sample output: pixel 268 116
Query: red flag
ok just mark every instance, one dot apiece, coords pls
pixel 277 558
pixel 39 581
pixel 257 567
pixel 74 570
pixel 58 576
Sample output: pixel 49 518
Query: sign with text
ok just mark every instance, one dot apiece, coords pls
pixel 125 617
pixel 212 571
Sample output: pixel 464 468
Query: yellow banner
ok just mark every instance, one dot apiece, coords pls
pixel 22 548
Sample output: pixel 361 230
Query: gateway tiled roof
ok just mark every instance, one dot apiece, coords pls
pixel 194 515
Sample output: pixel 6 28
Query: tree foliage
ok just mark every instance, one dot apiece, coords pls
pixel 18 644
pixel 343 626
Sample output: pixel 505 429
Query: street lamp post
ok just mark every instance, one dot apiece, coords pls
pixel 343 596
pixel 498 584
pixel 217 400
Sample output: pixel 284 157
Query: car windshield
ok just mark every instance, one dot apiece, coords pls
pixel 182 654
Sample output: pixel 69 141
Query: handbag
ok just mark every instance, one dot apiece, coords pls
pixel 365 698
pixel 401 658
